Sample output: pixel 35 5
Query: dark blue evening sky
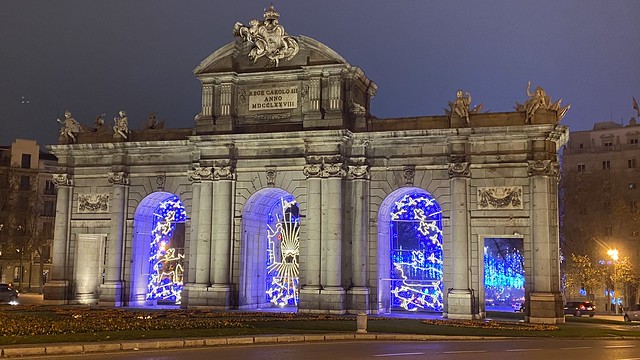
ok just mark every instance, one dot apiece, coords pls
pixel 94 57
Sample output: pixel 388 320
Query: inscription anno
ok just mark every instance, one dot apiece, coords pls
pixel 273 99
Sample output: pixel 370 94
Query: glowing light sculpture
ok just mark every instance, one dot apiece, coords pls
pixel 416 253
pixel 503 271
pixel 283 251
pixel 165 262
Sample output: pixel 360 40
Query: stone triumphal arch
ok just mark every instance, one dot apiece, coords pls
pixel 288 192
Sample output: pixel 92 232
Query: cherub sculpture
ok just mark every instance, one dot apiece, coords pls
pixel 70 127
pixel 121 125
pixel 461 106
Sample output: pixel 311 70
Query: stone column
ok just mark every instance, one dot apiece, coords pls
pixel 358 295
pixel 56 289
pixel 332 293
pixel 205 216
pixel 194 177
pixel 310 259
pixel 459 296
pixel 111 292
pixel 544 298
pixel 222 235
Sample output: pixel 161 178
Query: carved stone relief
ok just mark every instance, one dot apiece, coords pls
pixel 118 178
pixel 409 173
pixel 460 169
pixel 501 198
pixel 93 203
pixel 543 168
pixel 271 175
pixel 62 180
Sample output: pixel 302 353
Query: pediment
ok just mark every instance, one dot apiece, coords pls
pixel 234 57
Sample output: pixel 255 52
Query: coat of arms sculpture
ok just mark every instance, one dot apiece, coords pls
pixel 269 38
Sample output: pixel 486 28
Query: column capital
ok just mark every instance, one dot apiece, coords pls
pixel 358 172
pixel 118 178
pixel 200 173
pixel 312 170
pixel 543 168
pixel 62 180
pixel 332 170
pixel 224 173
pixel 458 169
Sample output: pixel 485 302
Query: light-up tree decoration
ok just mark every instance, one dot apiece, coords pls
pixel 503 270
pixel 165 261
pixel 283 250
pixel 416 253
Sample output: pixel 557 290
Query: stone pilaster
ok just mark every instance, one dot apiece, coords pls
pixel 111 292
pixel 544 299
pixel 194 177
pixel 56 290
pixel 222 236
pixel 358 295
pixel 460 297
pixel 310 260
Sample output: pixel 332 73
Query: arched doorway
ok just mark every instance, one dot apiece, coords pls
pixel 410 251
pixel 158 250
pixel 270 250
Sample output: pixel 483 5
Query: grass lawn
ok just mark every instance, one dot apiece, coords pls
pixel 41 324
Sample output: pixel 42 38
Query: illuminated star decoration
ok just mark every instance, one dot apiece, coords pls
pixel 503 273
pixel 166 271
pixel 283 250
pixel 416 253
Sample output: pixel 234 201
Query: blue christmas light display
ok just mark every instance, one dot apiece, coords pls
pixel 165 261
pixel 283 250
pixel 503 271
pixel 416 253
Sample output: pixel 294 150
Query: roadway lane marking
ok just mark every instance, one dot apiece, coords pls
pixel 619 346
pixel 631 359
pixel 517 350
pixel 464 351
pixel 399 354
pixel 576 348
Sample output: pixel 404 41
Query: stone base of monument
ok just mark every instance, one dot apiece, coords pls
pixel 460 305
pixel 55 292
pixel 545 308
pixel 329 300
pixel 111 294
pixel 358 300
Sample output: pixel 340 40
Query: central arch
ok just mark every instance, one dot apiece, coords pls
pixel 269 266
pixel 410 257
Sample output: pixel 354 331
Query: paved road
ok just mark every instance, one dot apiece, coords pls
pixel 535 349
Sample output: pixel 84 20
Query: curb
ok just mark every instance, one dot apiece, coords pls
pixel 136 345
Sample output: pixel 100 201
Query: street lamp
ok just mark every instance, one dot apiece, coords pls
pixel 613 253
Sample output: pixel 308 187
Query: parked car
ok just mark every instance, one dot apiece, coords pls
pixel 8 294
pixel 632 313
pixel 579 308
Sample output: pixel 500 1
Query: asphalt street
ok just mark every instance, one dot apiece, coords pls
pixel 534 349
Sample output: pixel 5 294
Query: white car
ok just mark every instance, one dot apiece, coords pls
pixel 632 313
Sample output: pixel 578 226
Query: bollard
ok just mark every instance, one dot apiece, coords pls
pixel 361 322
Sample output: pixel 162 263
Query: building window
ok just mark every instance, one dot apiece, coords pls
pixel 582 167
pixel 47 230
pixel 24 182
pixel 631 163
pixel 608 143
pixel 608 230
pixel 47 210
pixel 606 165
pixel 633 141
pixel 49 188
pixel 581 146
pixel 26 161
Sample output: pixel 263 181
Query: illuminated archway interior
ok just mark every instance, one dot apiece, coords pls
pixel 283 251
pixel 166 251
pixel 416 254
pixel 504 272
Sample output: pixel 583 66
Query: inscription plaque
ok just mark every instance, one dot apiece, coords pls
pixel 273 98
